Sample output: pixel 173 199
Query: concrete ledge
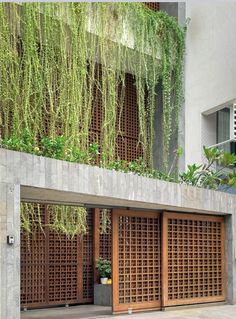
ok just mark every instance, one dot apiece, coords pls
pixel 49 180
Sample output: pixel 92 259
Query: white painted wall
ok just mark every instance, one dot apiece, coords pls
pixel 210 69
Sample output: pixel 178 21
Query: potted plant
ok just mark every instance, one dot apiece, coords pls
pixel 104 269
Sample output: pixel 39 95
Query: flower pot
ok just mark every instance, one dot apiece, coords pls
pixel 104 280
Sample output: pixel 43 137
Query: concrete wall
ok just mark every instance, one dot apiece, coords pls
pixel 34 178
pixel 210 77
pixel 9 255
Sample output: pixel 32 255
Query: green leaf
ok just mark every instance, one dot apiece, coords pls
pixel 227 159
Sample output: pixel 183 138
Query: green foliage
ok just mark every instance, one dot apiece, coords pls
pixel 140 168
pixel 230 180
pixel 105 224
pixel 68 220
pixel 23 142
pixel 213 174
pixel 104 267
pixel 48 74
pixel 212 154
pixel 31 218
pixel 57 147
pixel 227 159
pixel 206 176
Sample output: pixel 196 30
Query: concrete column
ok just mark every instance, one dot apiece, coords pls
pixel 9 254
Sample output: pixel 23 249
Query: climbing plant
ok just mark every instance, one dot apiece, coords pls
pixel 49 57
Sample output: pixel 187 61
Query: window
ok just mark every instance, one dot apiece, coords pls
pixel 226 129
pixel 223 125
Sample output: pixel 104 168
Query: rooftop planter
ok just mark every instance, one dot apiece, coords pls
pixel 50 180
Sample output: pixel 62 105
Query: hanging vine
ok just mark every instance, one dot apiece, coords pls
pixel 68 220
pixel 31 218
pixel 49 55
pixel 105 221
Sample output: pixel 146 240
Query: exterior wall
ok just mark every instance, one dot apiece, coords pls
pixel 9 255
pixel 29 177
pixel 210 77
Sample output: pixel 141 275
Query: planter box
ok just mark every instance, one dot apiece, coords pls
pixel 102 295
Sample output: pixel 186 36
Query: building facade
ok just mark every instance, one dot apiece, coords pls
pixel 169 244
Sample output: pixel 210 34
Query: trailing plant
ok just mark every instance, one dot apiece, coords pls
pixel 104 267
pixel 105 221
pixel 49 65
pixel 31 219
pixel 68 220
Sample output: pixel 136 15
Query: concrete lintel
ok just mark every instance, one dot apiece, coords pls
pixel 48 179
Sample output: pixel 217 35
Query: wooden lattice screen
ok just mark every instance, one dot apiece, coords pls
pixel 55 269
pixel 193 254
pixel 174 262
pixel 155 6
pixel 127 147
pixel 136 260
pixel 33 267
pixel 105 241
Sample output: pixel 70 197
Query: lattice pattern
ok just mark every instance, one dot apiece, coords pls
pixel 62 271
pixel 194 259
pixel 155 6
pixel 33 266
pixel 55 269
pixel 88 260
pixel 127 147
pixel 139 260
pixel 127 143
pixel 105 243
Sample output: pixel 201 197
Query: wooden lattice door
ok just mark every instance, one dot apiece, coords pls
pixel 167 259
pixel 193 259
pixel 56 269
pixel 136 260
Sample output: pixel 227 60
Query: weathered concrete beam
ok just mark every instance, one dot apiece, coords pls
pixel 47 179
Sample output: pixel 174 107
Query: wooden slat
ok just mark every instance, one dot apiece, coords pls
pixel 96 240
pixel 164 261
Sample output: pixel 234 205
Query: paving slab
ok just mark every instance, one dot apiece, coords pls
pixel 92 312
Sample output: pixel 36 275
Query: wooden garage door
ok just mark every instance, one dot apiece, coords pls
pixel 136 260
pixel 193 259
pixel 167 259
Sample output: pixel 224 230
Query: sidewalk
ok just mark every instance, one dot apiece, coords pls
pixel 93 312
